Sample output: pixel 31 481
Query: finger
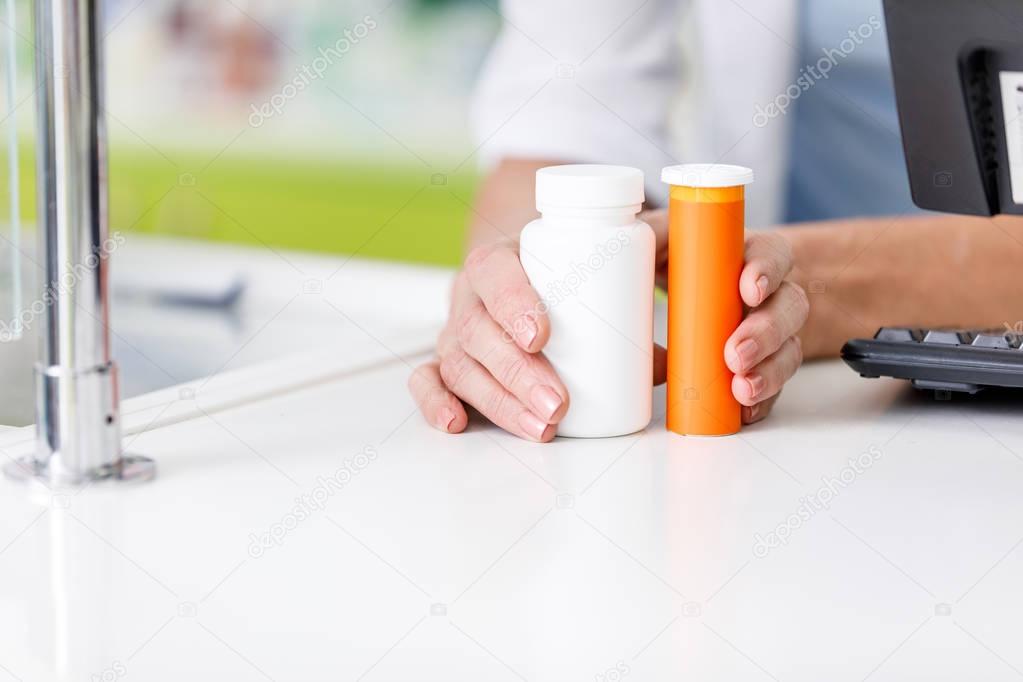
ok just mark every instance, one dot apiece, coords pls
pixel 660 365
pixel 751 415
pixel 497 277
pixel 438 405
pixel 657 219
pixel 767 378
pixel 768 262
pixel 471 382
pixel 528 377
pixel 765 329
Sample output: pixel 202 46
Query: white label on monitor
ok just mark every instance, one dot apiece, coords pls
pixel 1012 97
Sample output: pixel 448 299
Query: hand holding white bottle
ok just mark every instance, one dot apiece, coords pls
pixel 490 354
pixel 592 262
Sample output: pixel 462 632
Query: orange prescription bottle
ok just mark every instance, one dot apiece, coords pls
pixel 706 251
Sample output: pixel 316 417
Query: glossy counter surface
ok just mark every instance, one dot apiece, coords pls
pixel 325 532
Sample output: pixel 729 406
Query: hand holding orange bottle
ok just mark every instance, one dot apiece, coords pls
pixel 716 362
pixel 492 302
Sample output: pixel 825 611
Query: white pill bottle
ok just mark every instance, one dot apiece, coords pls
pixel 592 262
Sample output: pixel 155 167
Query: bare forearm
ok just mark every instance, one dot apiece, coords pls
pixel 921 271
pixel 506 202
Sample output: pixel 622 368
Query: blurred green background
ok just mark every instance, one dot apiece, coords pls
pixel 389 211
pixel 376 211
pixel 372 157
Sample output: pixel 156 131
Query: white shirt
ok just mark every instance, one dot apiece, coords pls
pixel 634 82
pixel 584 82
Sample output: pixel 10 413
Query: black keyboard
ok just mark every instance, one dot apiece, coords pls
pixel 944 360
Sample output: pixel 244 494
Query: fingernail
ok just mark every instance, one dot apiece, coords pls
pixel 526 333
pixel 546 401
pixel 746 353
pixel 753 412
pixel 445 418
pixel 532 425
pixel 762 285
pixel 756 384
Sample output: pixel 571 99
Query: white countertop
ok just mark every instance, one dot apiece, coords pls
pixel 482 557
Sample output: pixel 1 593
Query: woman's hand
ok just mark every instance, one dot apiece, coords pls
pixel 489 352
pixel 765 351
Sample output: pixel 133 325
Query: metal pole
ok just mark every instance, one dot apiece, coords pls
pixel 77 418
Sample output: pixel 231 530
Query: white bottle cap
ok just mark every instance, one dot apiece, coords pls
pixel 707 175
pixel 589 186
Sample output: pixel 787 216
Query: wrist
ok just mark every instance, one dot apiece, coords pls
pixel 817 335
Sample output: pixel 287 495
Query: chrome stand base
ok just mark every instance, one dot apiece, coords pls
pixel 128 469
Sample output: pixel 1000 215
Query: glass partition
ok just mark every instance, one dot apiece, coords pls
pixel 11 297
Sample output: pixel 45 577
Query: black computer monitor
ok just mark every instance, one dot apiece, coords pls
pixel 958 67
